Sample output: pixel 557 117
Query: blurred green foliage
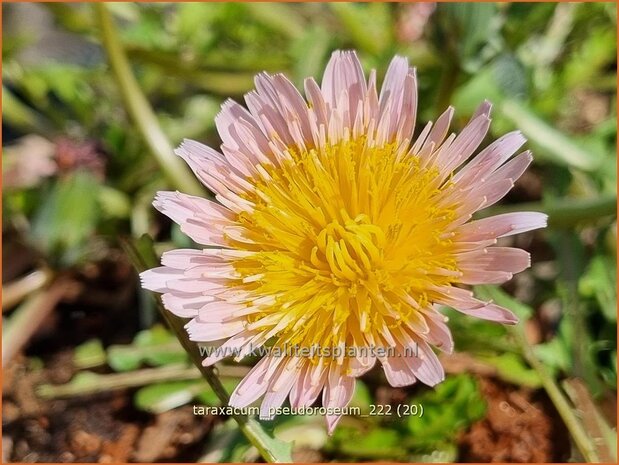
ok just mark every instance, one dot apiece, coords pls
pixel 550 70
pixel 154 347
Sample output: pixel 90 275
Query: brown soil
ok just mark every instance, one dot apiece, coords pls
pixel 520 426
pixel 104 428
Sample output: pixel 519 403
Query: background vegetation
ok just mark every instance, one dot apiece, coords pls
pixel 90 370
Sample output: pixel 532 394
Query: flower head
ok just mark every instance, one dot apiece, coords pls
pixel 335 229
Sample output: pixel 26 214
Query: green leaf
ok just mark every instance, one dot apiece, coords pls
pixel 554 354
pixel 595 51
pixel 599 281
pixel 192 23
pixel 551 143
pixel 610 373
pixel 504 76
pixel 68 217
pixel 466 29
pixel 160 346
pixel 452 406
pixel 377 443
pixel 123 358
pixel 510 76
pixel 279 17
pixel 275 450
pixel 114 203
pixel 225 444
pixel 89 354
pixel 310 51
pixel 513 369
pixel 482 86
pixel 81 379
pixel 161 397
pixel 496 294
pixel 155 346
pixel 503 82
pixel 19 115
pixel 475 335
pixel 367 25
pixel 198 117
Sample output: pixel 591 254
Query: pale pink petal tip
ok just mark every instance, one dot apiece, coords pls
pixel 156 279
pixel 536 220
pixel 493 312
pixel 397 372
pixel 520 222
pixel 337 395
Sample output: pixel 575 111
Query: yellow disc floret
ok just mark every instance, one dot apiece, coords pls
pixel 346 241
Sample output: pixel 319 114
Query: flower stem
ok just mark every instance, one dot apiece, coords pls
pixel 142 254
pixel 593 420
pixel 140 110
pixel 573 424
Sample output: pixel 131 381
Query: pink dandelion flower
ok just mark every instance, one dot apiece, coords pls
pixel 335 229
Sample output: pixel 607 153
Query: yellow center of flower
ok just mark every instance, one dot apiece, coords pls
pixel 347 241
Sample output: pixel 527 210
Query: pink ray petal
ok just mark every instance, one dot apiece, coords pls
pixel 337 394
pixel 463 301
pixel 503 225
pixel 279 388
pixel 254 384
